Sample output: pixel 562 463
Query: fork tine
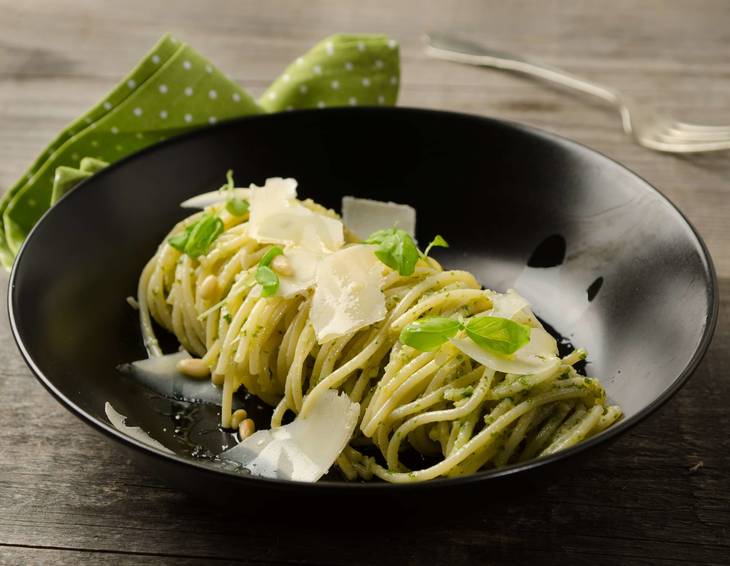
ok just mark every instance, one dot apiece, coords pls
pixel 700 134
pixel 702 128
pixel 673 144
pixel 671 131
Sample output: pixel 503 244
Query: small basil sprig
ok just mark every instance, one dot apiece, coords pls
pixel 499 335
pixel 229 181
pixel 237 206
pixel 198 237
pixel 265 276
pixel 396 249
pixel 437 242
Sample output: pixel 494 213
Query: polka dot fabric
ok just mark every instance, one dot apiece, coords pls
pixel 174 90
pixel 342 70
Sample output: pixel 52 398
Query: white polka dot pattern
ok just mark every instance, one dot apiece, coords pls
pixel 342 70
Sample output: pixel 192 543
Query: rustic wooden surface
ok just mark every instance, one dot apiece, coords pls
pixel 660 495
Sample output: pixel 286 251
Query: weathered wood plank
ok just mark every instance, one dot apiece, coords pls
pixel 28 555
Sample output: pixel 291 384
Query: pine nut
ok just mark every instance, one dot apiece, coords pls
pixel 246 428
pixel 209 288
pixel 281 265
pixel 237 417
pixel 193 367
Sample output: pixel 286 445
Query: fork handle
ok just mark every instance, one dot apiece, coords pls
pixel 449 48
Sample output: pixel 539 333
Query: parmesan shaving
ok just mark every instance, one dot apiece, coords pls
pixel 305 449
pixel 347 296
pixel 118 421
pixel 160 374
pixel 303 264
pixel 538 355
pixel 205 200
pixel 365 216
pixel 277 193
pixel 278 218
pixel 511 305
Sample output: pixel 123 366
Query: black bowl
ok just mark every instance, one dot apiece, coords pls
pixel 606 260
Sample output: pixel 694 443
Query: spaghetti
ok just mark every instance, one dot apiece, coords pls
pixel 459 414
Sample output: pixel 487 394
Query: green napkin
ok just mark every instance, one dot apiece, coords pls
pixel 174 90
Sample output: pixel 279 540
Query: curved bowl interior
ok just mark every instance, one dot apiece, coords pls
pixel 605 259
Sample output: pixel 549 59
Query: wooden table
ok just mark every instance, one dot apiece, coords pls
pixel 661 494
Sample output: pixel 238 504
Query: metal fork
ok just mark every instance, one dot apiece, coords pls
pixel 648 128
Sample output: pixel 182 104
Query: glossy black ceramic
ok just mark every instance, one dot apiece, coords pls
pixel 606 260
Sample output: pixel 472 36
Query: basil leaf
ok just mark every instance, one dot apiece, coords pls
pixel 178 242
pixel 198 236
pixel 499 335
pixel 378 236
pixel 203 234
pixel 396 249
pixel 270 255
pixel 229 181
pixel 237 206
pixel 268 279
pixel 266 276
pixel 438 241
pixel 428 334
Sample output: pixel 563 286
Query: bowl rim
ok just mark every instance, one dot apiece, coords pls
pixel 331 487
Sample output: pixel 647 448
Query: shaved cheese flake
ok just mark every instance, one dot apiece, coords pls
pixel 277 193
pixel 205 200
pixel 303 263
pixel 305 449
pixel 538 355
pixel 347 296
pixel 506 305
pixel 118 421
pixel 511 305
pixel 322 233
pixel 297 225
pixel 159 373
pixel 278 218
pixel 365 216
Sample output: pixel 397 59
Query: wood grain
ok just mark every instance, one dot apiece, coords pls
pixel 660 495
